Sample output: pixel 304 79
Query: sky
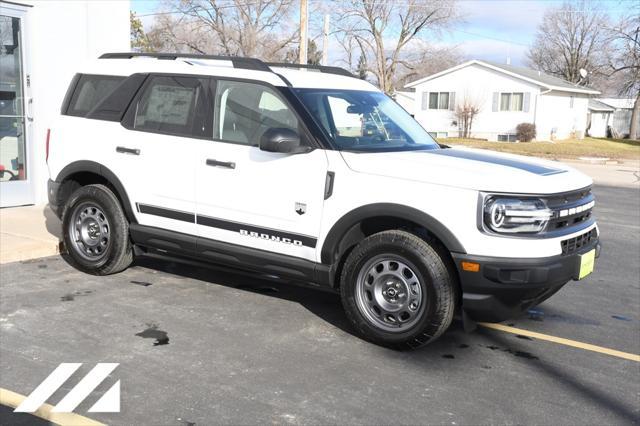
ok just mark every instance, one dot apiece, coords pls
pixel 495 30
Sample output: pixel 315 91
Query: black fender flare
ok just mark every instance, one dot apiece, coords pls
pixel 103 171
pixel 331 245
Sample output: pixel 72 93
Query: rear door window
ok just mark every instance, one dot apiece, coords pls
pixel 174 105
pixel 90 91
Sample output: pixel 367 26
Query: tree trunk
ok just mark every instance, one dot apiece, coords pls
pixel 633 129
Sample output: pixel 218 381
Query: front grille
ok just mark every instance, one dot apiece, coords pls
pixel 570 209
pixel 572 245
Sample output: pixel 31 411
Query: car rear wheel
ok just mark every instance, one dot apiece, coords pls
pixel 397 290
pixel 96 231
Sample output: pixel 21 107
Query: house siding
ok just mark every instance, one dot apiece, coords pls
pixel 557 119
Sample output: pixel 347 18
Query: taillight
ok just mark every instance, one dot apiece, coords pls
pixel 47 145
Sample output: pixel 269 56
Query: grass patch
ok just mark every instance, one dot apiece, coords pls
pixel 570 148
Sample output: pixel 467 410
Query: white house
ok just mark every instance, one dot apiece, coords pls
pixel 599 118
pixel 506 96
pixel 42 42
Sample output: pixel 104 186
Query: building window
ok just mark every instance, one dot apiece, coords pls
pixel 510 137
pixel 511 101
pixel 571 102
pixel 439 100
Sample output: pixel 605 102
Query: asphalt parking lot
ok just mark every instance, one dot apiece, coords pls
pixel 201 346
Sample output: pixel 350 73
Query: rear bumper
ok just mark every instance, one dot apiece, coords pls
pixel 53 192
pixel 504 288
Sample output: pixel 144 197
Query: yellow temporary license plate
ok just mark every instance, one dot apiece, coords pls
pixel 587 261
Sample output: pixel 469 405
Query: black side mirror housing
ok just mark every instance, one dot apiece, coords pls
pixel 281 139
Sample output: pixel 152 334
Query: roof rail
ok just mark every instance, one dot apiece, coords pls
pixel 321 68
pixel 238 62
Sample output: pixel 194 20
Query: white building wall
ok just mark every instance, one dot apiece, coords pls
pixel 60 35
pixel 558 119
pixel 477 85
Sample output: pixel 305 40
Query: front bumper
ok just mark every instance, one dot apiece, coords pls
pixel 504 288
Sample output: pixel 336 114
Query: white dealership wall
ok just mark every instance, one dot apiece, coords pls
pixel 58 36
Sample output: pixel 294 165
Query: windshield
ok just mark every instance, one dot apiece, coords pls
pixel 365 121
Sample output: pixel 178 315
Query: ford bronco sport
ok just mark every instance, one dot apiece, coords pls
pixel 314 176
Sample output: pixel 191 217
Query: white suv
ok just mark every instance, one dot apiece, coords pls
pixel 312 175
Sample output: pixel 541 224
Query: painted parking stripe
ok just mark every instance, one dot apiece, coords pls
pixel 562 341
pixel 12 399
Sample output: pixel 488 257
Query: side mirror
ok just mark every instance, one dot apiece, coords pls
pixel 280 139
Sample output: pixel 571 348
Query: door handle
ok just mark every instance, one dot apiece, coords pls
pixel 123 150
pixel 216 163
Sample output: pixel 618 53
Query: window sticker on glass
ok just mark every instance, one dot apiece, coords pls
pixel 169 104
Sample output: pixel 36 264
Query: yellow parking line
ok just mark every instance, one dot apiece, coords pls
pixel 562 341
pixel 12 399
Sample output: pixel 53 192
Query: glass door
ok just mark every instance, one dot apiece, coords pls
pixel 15 180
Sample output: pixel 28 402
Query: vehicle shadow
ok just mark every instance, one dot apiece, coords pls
pixel 324 304
pixel 52 223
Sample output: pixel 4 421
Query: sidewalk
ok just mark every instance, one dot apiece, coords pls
pixel 625 174
pixel 28 232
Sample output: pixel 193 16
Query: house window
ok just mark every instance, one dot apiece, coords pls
pixel 439 100
pixel 511 101
pixel 510 137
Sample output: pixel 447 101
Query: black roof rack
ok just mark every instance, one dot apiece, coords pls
pixel 321 68
pixel 237 61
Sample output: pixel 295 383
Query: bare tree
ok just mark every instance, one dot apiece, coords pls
pixel 624 63
pixel 464 114
pixel 384 29
pixel 426 60
pixel 569 38
pixel 254 28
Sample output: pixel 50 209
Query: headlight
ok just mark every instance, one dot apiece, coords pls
pixel 513 215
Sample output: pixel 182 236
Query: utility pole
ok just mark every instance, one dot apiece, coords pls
pixel 304 18
pixel 325 40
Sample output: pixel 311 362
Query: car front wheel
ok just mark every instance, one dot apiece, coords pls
pixel 397 290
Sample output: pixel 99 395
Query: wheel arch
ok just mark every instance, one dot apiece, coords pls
pixel 347 230
pixel 85 172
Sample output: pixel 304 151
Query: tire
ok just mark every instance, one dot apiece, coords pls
pixel 96 231
pixel 409 283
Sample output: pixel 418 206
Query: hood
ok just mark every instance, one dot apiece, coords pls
pixel 472 169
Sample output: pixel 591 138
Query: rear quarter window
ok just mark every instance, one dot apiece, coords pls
pixel 89 91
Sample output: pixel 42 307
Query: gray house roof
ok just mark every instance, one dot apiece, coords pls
pixel 538 76
pixel 595 105
pixel 545 80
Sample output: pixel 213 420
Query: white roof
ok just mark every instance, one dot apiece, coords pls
pixel 618 103
pixel 529 75
pixel 302 78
